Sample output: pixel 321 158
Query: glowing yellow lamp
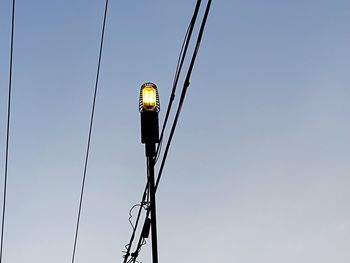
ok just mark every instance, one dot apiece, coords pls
pixel 149 97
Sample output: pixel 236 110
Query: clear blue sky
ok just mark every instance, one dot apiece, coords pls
pixel 259 168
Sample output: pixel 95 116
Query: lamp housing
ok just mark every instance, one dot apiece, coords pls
pixel 149 110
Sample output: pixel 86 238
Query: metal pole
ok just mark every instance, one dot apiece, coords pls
pixel 152 192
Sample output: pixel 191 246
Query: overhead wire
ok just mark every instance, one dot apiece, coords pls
pixel 179 65
pixel 180 62
pixel 90 131
pixel 184 91
pixel 7 129
pixel 172 95
pixel 130 213
pixel 181 101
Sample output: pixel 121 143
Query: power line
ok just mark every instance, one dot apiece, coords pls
pixel 181 59
pixel 90 131
pixel 181 101
pixel 184 90
pixel 7 131
pixel 180 62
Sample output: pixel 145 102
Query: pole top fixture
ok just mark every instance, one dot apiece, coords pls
pixel 149 98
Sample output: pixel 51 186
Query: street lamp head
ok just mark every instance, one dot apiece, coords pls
pixel 149 99
pixel 149 109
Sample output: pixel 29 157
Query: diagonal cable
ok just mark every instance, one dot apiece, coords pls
pixel 90 131
pixel 7 132
pixel 180 62
pixel 184 90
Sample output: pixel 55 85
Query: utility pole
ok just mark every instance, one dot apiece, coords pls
pixel 149 109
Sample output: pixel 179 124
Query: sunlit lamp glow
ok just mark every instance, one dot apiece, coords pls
pixel 149 97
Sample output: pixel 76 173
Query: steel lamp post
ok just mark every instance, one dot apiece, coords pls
pixel 149 110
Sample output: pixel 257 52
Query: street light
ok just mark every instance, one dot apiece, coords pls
pixel 149 109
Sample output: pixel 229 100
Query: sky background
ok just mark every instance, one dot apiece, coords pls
pixel 259 167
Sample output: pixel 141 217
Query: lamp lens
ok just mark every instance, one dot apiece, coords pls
pixel 149 98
